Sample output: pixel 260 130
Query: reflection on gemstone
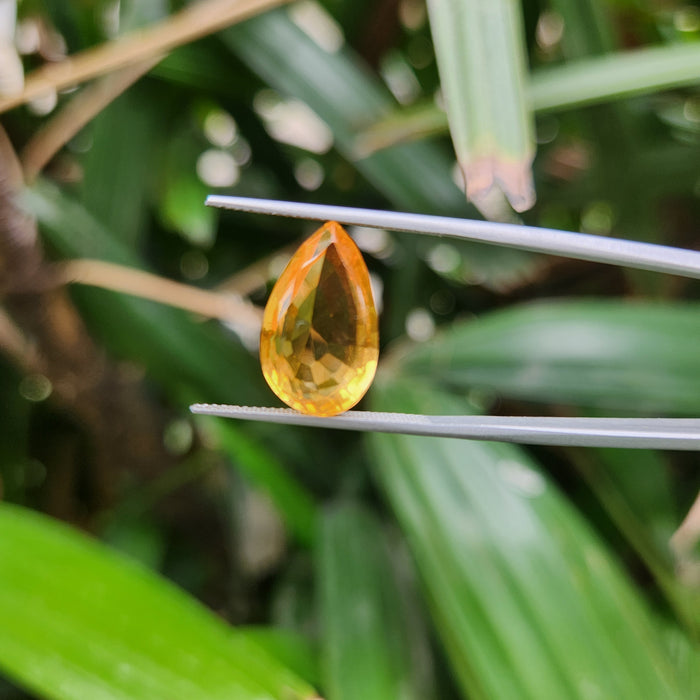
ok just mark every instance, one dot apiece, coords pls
pixel 319 343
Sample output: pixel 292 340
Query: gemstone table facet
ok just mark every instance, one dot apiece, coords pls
pixel 319 343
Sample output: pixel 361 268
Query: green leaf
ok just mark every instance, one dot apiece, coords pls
pixel 481 57
pixel 587 28
pixel 686 657
pixel 196 66
pixel 616 76
pixel 181 191
pixel 526 599
pixel 119 163
pixel 636 357
pixel 573 84
pixel 374 644
pixel 262 469
pixel 339 89
pixel 81 622
pixel 289 647
pixel 181 208
pixel 634 488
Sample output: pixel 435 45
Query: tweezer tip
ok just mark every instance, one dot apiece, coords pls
pixel 233 410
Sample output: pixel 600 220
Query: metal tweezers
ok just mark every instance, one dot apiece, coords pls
pixel 660 433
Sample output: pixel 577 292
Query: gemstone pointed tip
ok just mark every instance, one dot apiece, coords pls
pixel 336 228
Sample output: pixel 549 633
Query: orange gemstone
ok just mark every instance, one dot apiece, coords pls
pixel 319 343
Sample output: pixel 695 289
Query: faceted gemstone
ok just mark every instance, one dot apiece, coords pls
pixel 319 343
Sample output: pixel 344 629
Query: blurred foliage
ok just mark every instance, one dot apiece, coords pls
pixel 380 567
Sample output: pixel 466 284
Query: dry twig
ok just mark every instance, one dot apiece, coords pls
pixel 146 285
pixel 684 545
pixel 193 22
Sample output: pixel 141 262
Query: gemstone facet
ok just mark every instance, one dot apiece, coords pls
pixel 319 343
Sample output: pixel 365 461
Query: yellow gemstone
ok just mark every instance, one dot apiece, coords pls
pixel 319 343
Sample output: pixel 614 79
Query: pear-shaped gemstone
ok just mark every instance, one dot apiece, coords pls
pixel 319 343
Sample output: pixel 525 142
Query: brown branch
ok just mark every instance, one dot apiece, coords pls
pixel 193 22
pixel 15 345
pixel 119 278
pixel 684 544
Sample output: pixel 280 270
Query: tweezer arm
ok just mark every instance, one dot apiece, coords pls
pixel 580 246
pixel 659 433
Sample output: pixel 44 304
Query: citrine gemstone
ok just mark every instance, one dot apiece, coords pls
pixel 319 343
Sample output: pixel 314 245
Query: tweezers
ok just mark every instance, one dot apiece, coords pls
pixel 660 433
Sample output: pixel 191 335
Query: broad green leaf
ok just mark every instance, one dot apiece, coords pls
pixel 481 57
pixel 262 468
pixel 374 644
pixel 78 621
pixel 686 658
pixel 289 647
pixel 527 600
pixel 634 488
pixel 635 357
pixel 136 537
